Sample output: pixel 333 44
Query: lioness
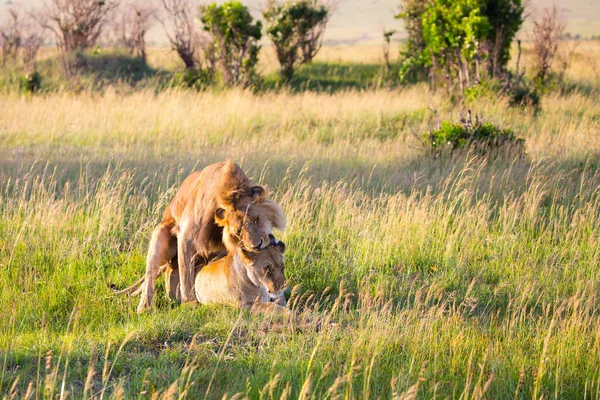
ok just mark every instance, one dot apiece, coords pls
pixel 246 279
pixel 215 211
pixel 252 280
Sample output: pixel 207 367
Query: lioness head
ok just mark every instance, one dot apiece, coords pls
pixel 249 219
pixel 265 268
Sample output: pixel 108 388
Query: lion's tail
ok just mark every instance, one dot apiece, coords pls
pixel 136 288
pixel 131 289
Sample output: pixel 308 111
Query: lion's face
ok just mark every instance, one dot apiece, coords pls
pixel 266 268
pixel 250 229
pixel 250 222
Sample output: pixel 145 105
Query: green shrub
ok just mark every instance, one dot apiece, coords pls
pixel 194 78
pixel 483 137
pixel 296 30
pixel 235 34
pixel 448 40
pixel 31 82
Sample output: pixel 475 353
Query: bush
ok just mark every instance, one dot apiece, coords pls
pixel 194 78
pixel 235 35
pixel 296 30
pixel 484 137
pixel 31 82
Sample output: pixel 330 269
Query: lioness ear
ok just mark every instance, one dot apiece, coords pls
pixel 220 216
pixel 258 193
pixel 281 246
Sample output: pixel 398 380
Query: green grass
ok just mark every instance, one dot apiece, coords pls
pixel 455 277
pixel 339 76
pixel 101 70
pixel 91 71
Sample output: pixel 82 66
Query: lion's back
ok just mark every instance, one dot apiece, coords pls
pixel 204 185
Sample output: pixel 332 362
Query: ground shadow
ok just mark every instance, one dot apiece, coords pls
pixel 98 69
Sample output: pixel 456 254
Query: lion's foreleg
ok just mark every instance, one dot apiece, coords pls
pixel 162 248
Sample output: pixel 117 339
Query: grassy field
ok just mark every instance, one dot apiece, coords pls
pixel 456 277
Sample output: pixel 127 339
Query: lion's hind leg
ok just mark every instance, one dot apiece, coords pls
pixel 163 247
pixel 172 280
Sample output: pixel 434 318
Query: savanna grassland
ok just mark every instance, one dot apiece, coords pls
pixel 455 277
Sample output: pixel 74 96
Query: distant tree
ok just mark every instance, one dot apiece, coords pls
pixel 296 30
pixel 77 24
pixel 183 34
pixel 234 41
pixel 547 31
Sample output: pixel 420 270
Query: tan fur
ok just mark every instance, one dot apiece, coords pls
pixel 215 210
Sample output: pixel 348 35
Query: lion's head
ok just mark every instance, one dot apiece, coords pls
pixel 248 218
pixel 265 268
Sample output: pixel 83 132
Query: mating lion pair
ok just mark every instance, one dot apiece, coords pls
pixel 218 213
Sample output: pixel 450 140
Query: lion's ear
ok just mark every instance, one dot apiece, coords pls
pixel 258 193
pixel 281 246
pixel 220 216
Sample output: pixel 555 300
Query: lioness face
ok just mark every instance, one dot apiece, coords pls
pixel 267 267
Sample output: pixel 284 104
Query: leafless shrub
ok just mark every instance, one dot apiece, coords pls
pixel 547 32
pixel 10 34
pixel 33 37
pixel 21 35
pixel 77 24
pixel 183 34
pixel 134 24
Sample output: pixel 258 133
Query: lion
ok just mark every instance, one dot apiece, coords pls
pixel 252 280
pixel 215 211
